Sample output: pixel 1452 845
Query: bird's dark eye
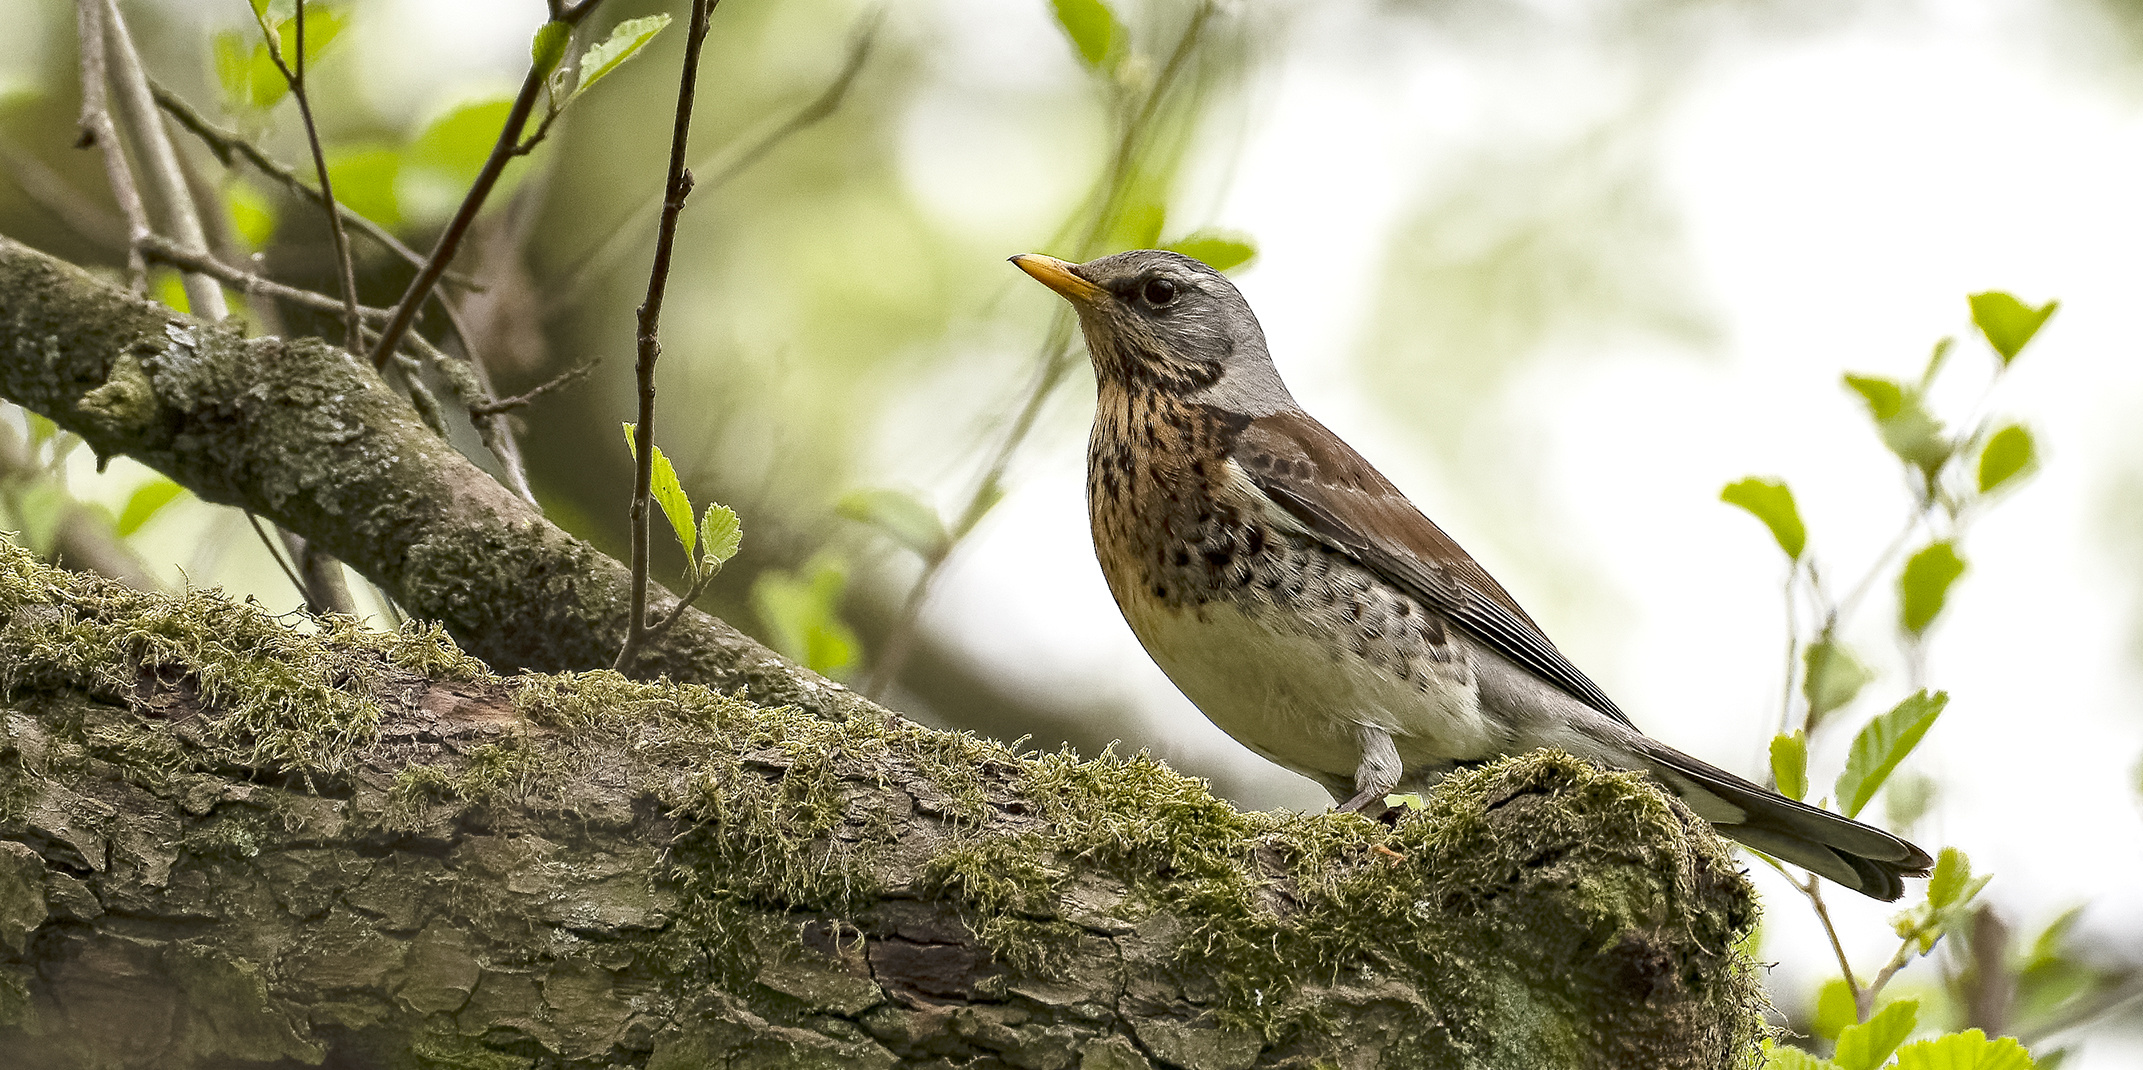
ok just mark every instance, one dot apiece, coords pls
pixel 1159 292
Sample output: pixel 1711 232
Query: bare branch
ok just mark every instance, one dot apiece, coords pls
pixel 295 78
pixel 504 405
pixel 165 176
pixel 228 146
pixel 97 128
pixel 677 186
pixel 167 251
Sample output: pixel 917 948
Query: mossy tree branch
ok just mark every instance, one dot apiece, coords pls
pixel 298 433
pixel 223 842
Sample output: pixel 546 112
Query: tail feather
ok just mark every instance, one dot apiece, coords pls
pixel 1857 856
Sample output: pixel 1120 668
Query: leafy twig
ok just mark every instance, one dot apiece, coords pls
pixel 352 327
pixel 502 153
pixel 676 187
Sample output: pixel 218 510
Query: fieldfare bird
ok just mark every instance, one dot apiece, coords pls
pixel 1313 612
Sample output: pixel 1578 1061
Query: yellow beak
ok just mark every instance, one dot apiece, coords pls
pixel 1059 276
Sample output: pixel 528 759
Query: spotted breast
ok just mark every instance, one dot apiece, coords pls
pixel 1290 647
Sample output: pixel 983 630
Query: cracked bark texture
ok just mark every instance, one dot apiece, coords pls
pixel 223 843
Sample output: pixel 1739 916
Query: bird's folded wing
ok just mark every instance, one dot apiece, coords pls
pixel 1338 497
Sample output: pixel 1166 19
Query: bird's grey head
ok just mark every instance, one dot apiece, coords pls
pixel 1161 320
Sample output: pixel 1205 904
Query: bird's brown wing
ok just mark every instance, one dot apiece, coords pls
pixel 1335 494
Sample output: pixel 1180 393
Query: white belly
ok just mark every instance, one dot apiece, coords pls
pixel 1302 701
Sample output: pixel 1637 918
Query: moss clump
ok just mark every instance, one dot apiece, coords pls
pixel 285 700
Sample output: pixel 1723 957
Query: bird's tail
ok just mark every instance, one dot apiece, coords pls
pixel 1861 857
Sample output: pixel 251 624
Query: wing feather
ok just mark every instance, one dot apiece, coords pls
pixel 1337 496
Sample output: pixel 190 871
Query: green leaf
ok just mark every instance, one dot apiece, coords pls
pixel 1950 892
pixel 1969 1050
pixel 911 522
pixel 1786 1057
pixel 801 614
pixel 549 47
pixel 1091 26
pixel 1835 1009
pixel 1885 397
pixel 1935 361
pixel 1789 764
pixel 245 71
pixel 1832 677
pixel 365 177
pixel 252 214
pixel 1771 501
pixel 2008 452
pixel 1867 1046
pixel 443 160
pixel 41 429
pixel 1924 585
pixel 1882 744
pixel 1219 250
pixel 143 505
pixel 1410 800
pixel 721 535
pixel 2008 323
pixel 322 25
pixel 625 41
pixel 670 494
pixel 1901 417
pixel 1952 878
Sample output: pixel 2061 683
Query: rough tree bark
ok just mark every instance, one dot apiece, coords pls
pixel 226 843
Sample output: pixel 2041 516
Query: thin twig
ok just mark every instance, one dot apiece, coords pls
pixel 1862 998
pixel 1057 358
pixel 164 250
pixel 227 146
pixel 625 235
pixel 405 311
pixel 277 555
pixel 161 161
pixel 504 405
pixel 676 186
pixel 699 587
pixel 97 129
pixel 352 325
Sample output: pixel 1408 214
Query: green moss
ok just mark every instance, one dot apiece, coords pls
pixel 285 700
pixel 1012 890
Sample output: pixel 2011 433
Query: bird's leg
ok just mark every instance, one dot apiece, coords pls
pixel 1376 775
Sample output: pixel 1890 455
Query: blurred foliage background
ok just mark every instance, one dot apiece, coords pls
pixel 1562 269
